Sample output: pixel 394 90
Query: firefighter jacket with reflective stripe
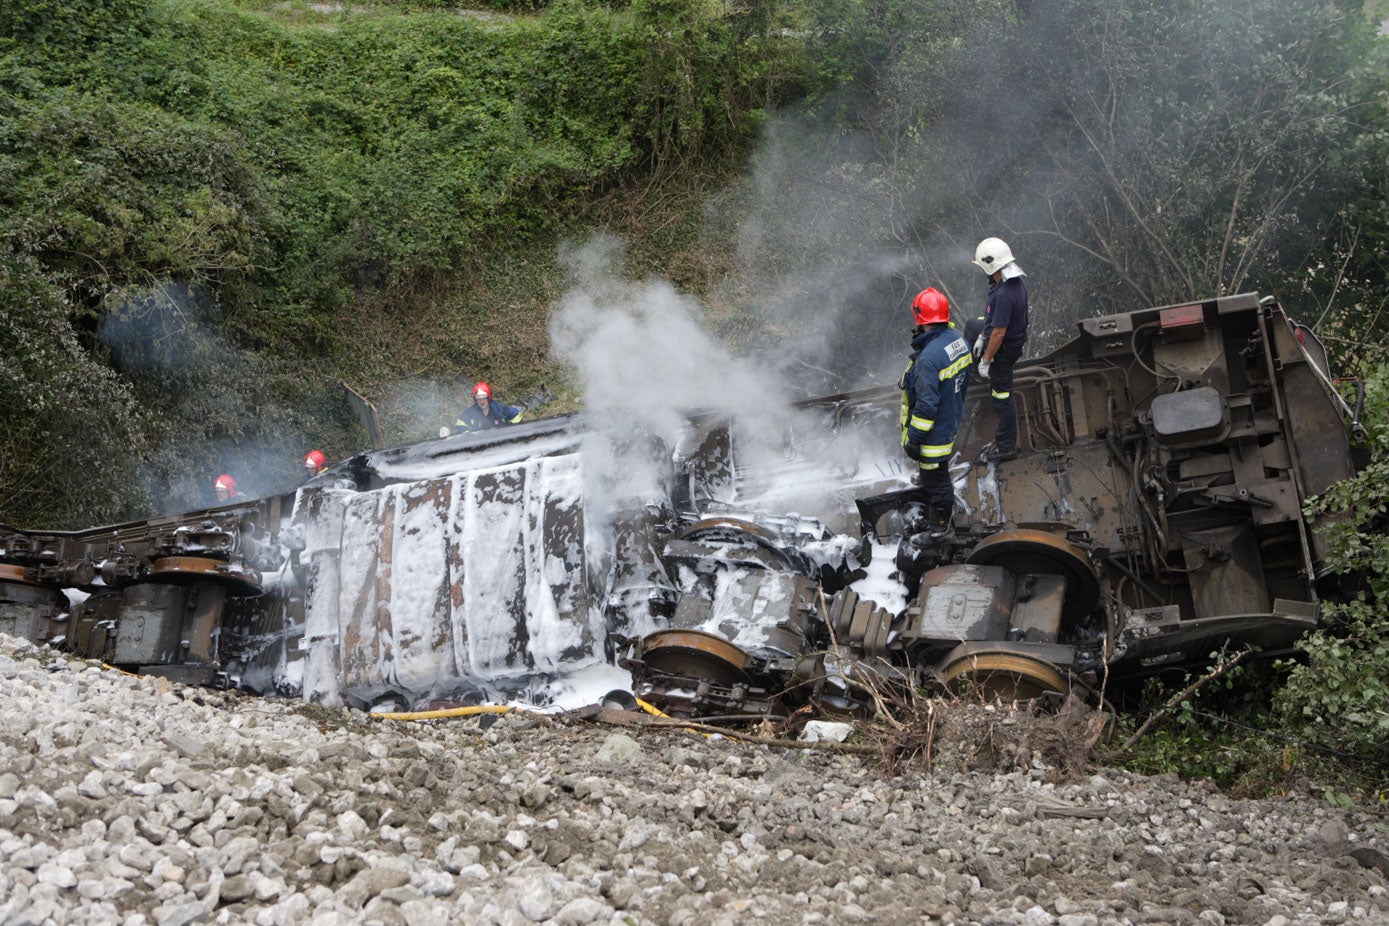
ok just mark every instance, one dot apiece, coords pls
pixel 498 414
pixel 933 390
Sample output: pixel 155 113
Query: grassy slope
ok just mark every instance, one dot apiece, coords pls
pixel 392 101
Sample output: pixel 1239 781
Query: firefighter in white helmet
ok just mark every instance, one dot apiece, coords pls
pixel 1002 340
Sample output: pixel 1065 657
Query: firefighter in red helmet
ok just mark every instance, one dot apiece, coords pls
pixel 485 413
pixel 224 487
pixel 933 393
pixel 315 462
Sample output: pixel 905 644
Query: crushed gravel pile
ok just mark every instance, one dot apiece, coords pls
pixel 132 800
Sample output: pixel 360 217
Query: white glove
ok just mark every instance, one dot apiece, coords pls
pixel 979 346
pixel 984 367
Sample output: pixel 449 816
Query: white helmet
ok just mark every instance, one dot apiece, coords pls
pixel 992 255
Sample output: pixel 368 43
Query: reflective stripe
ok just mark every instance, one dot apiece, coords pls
pixel 956 367
pixel 922 424
pixel 516 419
pixel 937 450
pixel 930 466
pixel 999 395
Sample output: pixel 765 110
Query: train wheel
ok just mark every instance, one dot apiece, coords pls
pixel 1007 676
pixel 695 654
pixel 237 581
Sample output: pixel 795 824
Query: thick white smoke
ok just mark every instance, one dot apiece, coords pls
pixel 641 347
pixel 645 362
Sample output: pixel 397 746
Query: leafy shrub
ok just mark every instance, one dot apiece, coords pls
pixel 250 185
pixel 70 429
pixel 1340 696
pixel 104 193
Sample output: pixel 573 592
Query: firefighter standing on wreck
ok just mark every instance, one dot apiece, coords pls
pixel 1002 341
pixel 933 396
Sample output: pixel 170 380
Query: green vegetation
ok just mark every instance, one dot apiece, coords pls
pixel 212 211
pixel 1340 696
pixel 273 198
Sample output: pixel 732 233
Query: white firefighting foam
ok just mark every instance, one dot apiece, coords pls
pixel 473 571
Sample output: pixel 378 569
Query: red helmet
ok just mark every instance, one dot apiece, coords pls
pixel 930 307
pixel 225 482
pixel 482 391
pixel 315 460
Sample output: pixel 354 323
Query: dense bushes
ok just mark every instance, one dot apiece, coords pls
pixel 1340 696
pixel 70 431
pixel 296 176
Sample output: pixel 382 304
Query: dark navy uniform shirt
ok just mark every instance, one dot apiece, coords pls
pixel 1007 309
pixel 497 415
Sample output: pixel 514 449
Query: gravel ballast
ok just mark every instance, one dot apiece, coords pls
pixel 137 801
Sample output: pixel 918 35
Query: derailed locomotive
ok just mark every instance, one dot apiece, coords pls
pixel 1153 515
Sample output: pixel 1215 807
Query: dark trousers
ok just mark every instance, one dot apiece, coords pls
pixel 1001 393
pixel 939 489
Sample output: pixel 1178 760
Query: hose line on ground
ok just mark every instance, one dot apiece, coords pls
pixel 470 711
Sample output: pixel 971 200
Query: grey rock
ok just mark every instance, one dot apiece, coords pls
pixel 237 888
pixel 582 910
pixel 618 749
pixel 533 898
pixel 425 913
pixel 988 873
pixel 437 884
pixel 241 811
pixel 369 883
pixel 57 875
pixel 181 914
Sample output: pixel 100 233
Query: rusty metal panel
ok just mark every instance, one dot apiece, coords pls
pixel 29 611
pixel 558 596
pixel 494 578
pixel 320 515
pixel 203 622
pixel 149 631
pixel 1037 614
pixel 1079 485
pixel 366 655
pixel 1316 430
pixel 517 589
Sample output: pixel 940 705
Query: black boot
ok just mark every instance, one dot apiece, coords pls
pixel 941 527
pixel 998 455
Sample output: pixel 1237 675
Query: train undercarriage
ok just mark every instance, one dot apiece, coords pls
pixel 1154 515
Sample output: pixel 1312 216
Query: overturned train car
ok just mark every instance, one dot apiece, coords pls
pixel 1153 515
